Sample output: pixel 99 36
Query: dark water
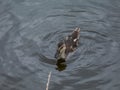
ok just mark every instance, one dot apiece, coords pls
pixel 31 29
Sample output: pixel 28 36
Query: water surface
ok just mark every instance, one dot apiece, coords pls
pixel 31 29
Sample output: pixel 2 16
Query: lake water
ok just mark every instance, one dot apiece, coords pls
pixel 31 29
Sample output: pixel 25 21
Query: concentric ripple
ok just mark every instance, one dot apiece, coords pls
pixel 96 51
pixel 93 47
pixel 31 29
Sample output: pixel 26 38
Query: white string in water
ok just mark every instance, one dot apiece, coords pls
pixel 47 85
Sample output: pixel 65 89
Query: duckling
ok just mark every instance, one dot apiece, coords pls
pixel 68 45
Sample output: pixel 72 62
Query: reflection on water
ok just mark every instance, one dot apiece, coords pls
pixel 61 65
pixel 31 29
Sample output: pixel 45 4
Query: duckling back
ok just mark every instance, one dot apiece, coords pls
pixel 69 44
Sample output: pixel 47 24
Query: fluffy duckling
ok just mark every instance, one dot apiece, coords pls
pixel 68 45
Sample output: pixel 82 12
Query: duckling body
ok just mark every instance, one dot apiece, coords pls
pixel 69 44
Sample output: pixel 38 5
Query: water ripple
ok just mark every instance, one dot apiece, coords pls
pixel 30 31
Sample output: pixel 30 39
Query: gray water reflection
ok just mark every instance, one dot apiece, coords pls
pixel 31 29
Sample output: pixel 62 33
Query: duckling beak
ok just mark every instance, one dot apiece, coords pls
pixel 77 29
